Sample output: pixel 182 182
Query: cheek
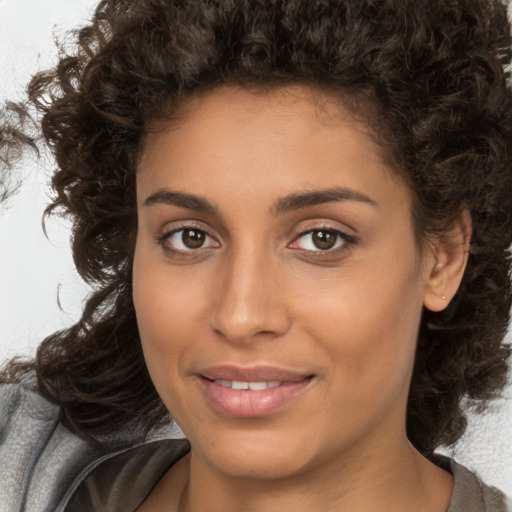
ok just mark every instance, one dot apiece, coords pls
pixel 165 296
pixel 167 310
pixel 172 316
pixel 366 328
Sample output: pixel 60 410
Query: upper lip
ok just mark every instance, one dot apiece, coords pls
pixel 252 374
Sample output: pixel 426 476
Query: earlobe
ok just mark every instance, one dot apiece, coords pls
pixel 447 263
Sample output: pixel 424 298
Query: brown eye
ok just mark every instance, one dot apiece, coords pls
pixel 193 238
pixel 324 239
pixel 187 239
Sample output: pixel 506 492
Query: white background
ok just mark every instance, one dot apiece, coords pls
pixel 35 271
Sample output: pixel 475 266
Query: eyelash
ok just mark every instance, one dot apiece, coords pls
pixel 164 239
pixel 348 241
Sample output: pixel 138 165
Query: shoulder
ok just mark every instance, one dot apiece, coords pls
pixel 123 481
pixel 38 454
pixel 40 457
pixel 45 466
pixel 470 494
pixel 20 405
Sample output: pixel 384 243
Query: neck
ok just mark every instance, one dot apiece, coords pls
pixel 399 480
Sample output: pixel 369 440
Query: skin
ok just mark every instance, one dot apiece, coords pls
pixel 260 292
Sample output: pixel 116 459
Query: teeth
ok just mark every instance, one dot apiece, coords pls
pixel 244 385
pixel 257 386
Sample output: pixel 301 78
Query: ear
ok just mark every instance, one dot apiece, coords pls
pixel 446 263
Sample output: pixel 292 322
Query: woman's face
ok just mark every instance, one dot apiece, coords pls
pixel 275 252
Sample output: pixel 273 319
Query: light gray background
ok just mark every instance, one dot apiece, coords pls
pixel 35 271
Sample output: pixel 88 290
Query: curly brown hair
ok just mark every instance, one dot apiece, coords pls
pixel 15 138
pixel 428 78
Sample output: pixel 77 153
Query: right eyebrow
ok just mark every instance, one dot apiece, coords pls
pixel 182 200
pixel 308 198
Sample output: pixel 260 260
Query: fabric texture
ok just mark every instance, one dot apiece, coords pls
pixel 46 468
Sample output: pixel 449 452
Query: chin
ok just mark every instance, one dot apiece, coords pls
pixel 255 455
pixel 255 466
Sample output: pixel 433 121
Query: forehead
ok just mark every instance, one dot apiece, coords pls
pixel 289 138
pixel 259 105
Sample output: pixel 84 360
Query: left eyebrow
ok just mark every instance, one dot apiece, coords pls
pixel 310 198
pixel 182 200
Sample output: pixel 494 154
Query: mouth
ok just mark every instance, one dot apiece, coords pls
pixel 251 393
pixel 245 385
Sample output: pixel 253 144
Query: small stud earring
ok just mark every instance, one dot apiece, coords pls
pixel 444 297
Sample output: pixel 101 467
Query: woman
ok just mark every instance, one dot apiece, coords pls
pixel 296 217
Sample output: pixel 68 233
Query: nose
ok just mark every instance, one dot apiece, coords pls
pixel 250 302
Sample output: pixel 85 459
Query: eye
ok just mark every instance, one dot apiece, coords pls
pixel 187 239
pixel 321 240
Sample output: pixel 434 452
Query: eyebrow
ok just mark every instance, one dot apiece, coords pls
pixel 290 202
pixel 182 200
pixel 310 198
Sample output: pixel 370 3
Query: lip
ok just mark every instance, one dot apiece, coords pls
pixel 252 374
pixel 248 403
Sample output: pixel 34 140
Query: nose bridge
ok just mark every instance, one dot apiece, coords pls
pixel 248 302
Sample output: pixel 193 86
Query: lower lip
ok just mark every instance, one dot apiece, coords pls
pixel 251 404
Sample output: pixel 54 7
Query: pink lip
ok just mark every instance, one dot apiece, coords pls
pixel 248 403
pixel 252 374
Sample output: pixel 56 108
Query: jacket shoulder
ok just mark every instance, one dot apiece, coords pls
pixel 471 494
pixel 40 457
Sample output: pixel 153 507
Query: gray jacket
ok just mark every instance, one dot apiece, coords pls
pixel 46 468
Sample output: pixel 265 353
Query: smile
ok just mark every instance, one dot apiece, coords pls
pixel 251 392
pixel 244 385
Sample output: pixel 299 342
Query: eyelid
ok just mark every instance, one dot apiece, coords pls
pixel 176 227
pixel 349 240
pixel 171 228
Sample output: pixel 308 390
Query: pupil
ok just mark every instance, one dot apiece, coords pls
pixel 324 239
pixel 193 238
